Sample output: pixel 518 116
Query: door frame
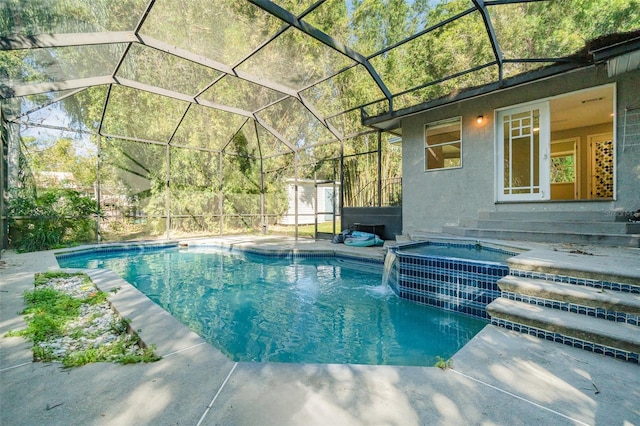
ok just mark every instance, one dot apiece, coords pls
pixel 544 160
pixel 324 212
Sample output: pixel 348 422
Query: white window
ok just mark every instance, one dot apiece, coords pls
pixel 443 144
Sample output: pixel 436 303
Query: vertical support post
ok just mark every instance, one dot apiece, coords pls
pixel 3 181
pixel 168 192
pixel 263 219
pixel 341 198
pixel 295 186
pixel 220 203
pixel 10 159
pixel 315 205
pixel 379 168
pixel 333 195
pixel 99 182
pixel 98 189
pixel 262 216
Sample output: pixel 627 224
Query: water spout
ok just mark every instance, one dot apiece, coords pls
pixel 389 274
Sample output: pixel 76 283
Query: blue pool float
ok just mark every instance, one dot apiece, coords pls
pixel 362 239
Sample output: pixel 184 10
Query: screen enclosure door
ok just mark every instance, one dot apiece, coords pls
pixel 523 141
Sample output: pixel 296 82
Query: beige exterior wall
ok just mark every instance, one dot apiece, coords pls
pixel 432 199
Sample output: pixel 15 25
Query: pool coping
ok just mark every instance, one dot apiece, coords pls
pixel 264 246
pixel 475 390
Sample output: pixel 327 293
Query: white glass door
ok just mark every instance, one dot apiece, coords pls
pixel 523 141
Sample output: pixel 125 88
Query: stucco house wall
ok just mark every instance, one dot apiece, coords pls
pixel 432 199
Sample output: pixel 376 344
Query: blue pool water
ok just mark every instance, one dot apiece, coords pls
pixel 256 308
pixel 459 251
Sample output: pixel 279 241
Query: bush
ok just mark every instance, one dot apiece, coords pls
pixel 54 218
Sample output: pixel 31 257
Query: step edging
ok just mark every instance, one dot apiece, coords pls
pixel 574 227
pixel 567 340
pixel 589 330
pixel 572 293
pixel 567 275
pixel 575 308
pixel 609 240
pixel 545 233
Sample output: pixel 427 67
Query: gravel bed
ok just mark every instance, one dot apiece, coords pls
pixel 97 326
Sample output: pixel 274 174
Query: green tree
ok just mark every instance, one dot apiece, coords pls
pixel 62 156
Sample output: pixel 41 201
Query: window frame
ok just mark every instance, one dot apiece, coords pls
pixel 442 123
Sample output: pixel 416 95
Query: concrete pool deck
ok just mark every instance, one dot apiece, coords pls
pixel 500 377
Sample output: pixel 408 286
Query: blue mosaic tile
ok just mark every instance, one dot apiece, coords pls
pixel 632 357
pixel 608 285
pixel 570 307
pixel 116 249
pixel 451 284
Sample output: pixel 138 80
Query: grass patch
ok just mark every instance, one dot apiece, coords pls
pixel 77 326
pixel 443 364
pixel 48 311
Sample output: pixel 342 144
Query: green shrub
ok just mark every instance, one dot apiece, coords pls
pixel 52 219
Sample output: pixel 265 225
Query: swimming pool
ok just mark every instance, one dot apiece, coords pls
pixel 302 310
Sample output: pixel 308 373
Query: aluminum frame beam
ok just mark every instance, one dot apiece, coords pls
pixel 323 38
pixel 312 109
pixel 497 52
pixel 53 101
pixel 210 63
pixel 274 132
pixel 179 96
pixel 19 42
pixel 54 86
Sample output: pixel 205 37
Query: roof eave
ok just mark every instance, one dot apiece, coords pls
pixel 391 120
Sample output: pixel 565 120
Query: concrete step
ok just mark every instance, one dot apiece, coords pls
pixel 588 329
pixel 558 216
pixel 613 240
pixel 609 300
pixel 534 224
pixel 402 238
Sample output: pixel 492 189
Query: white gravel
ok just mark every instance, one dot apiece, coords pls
pixel 96 327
